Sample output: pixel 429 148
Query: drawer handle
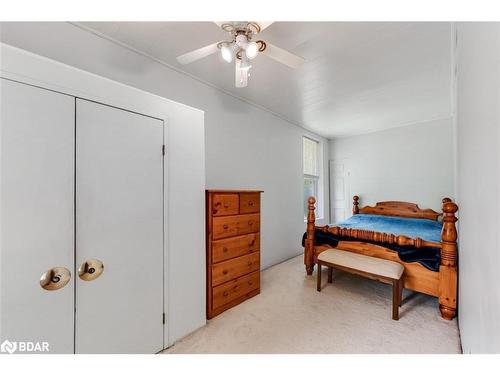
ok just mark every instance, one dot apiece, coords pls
pixel 236 287
pixel 224 272
pixel 250 282
pixel 250 222
pixel 249 264
pixel 251 243
pixel 225 249
pixel 225 226
pixel 250 203
pixel 225 294
pixel 226 205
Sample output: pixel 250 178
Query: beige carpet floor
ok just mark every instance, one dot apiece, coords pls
pixel 352 315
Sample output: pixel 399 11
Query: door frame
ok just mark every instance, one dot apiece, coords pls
pixel 64 79
pixel 347 188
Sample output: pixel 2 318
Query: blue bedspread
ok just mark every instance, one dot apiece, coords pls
pixel 428 230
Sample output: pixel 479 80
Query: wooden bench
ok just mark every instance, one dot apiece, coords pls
pixel 373 268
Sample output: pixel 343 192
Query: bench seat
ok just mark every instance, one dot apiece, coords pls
pixel 381 267
pixel 367 266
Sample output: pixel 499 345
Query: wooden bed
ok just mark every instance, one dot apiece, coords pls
pixel 441 284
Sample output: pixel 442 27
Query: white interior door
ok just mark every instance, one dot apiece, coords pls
pixel 37 208
pixel 339 201
pixel 119 221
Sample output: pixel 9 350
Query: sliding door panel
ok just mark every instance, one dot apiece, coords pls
pixel 119 231
pixel 37 200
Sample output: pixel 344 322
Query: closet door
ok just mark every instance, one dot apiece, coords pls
pixel 119 225
pixel 37 208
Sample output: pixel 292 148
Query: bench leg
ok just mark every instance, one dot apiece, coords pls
pixel 330 274
pixel 318 287
pixel 395 299
pixel 401 284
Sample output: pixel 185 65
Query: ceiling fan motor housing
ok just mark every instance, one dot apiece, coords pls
pixel 241 41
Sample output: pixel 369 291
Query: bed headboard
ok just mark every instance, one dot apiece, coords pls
pixel 395 208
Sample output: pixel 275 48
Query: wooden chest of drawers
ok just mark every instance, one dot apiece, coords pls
pixel 233 248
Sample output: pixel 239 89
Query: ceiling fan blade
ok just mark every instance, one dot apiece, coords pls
pixel 283 56
pixel 264 24
pixel 240 75
pixel 198 53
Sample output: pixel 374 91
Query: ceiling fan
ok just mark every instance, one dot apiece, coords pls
pixel 241 48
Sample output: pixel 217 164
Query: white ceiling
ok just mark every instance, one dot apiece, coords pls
pixel 358 77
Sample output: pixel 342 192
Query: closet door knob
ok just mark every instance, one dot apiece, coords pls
pixel 90 269
pixel 55 278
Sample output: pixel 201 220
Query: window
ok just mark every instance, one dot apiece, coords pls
pixel 311 163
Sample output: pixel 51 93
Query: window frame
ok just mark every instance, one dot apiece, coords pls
pixel 317 179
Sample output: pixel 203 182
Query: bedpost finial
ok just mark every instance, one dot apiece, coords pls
pixel 310 208
pixel 446 200
pixel 450 207
pixel 355 203
pixel 449 235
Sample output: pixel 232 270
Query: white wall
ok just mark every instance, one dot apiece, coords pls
pixel 411 163
pixel 246 147
pixel 478 120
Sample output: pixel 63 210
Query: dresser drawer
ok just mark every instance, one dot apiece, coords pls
pixel 225 226
pixel 249 203
pixel 228 292
pixel 230 226
pixel 233 268
pixel 225 204
pixel 248 223
pixel 235 247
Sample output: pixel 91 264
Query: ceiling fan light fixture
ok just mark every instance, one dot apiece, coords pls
pixel 252 50
pixel 226 53
pixel 239 47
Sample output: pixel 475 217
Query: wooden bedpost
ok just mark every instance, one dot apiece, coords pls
pixel 355 204
pixel 309 243
pixel 448 265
